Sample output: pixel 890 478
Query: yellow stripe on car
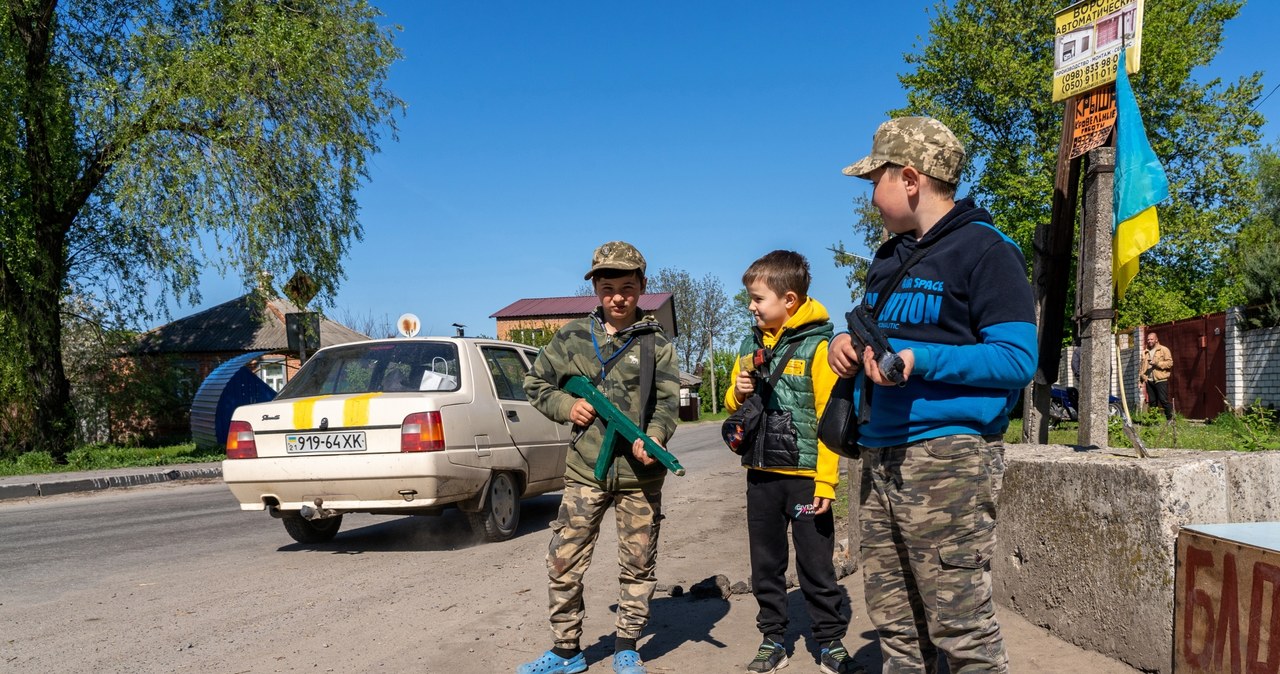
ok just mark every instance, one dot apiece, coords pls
pixel 302 412
pixel 355 412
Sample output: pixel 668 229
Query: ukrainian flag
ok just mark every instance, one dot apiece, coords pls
pixel 1140 184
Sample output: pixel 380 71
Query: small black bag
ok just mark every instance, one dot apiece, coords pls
pixel 838 427
pixel 743 426
pixel 741 431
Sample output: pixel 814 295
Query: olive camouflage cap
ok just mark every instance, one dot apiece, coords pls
pixel 922 143
pixel 616 255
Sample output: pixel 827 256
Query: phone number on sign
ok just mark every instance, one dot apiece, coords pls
pixel 1089 76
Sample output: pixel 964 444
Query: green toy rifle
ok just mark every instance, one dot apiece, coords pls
pixel 617 424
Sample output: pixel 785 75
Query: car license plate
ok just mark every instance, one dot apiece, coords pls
pixel 325 442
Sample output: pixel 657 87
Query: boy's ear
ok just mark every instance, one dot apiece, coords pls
pixel 791 299
pixel 911 179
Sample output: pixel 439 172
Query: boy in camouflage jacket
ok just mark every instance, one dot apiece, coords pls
pixel 606 347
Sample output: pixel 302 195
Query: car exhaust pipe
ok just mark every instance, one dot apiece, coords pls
pixel 319 512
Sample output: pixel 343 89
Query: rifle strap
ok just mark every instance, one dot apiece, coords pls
pixel 648 365
pixel 779 362
pixel 864 409
pixel 883 298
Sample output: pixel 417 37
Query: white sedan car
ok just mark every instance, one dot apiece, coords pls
pixel 397 426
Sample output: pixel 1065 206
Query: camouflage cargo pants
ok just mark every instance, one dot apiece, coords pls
pixel 928 517
pixel 573 541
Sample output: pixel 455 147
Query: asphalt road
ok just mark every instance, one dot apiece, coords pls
pixel 175 578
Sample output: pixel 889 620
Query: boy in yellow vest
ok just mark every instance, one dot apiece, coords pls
pixel 791 476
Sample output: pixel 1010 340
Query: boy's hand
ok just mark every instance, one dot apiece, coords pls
pixel 842 357
pixel 873 368
pixel 744 386
pixel 582 413
pixel 821 505
pixel 637 450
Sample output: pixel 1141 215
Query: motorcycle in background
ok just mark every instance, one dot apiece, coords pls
pixel 1064 404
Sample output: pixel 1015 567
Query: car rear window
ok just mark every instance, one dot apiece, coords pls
pixel 380 367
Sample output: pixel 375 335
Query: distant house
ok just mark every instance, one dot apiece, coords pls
pixel 525 320
pixel 203 340
pixel 197 344
pixel 533 319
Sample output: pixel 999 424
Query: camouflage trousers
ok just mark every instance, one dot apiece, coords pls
pixel 928 517
pixel 573 540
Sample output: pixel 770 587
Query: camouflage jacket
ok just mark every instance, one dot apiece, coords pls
pixel 574 352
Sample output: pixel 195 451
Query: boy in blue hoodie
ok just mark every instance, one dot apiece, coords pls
pixel 962 319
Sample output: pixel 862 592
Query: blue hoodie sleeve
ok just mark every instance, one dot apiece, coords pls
pixel 1005 359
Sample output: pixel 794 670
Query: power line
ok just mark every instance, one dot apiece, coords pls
pixel 1264 98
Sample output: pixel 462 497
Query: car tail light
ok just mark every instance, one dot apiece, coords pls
pixel 240 442
pixel 422 432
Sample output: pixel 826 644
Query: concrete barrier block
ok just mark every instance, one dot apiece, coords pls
pixel 1086 539
pixel 1253 485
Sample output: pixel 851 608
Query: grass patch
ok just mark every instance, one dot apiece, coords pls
pixel 98 457
pixel 841 506
pixel 1228 432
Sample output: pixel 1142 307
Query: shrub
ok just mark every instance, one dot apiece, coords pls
pixel 1254 428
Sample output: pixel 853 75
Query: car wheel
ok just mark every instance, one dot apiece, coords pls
pixel 1114 409
pixel 498 519
pixel 304 530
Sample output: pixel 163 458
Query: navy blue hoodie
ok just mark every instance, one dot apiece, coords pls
pixel 965 310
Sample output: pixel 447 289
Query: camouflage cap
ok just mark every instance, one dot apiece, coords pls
pixel 616 255
pixel 922 143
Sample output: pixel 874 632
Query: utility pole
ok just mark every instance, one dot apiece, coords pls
pixel 1093 296
pixel 711 349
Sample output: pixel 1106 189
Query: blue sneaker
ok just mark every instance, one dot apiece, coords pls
pixel 550 663
pixel 627 662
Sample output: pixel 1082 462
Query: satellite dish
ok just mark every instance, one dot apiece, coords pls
pixel 408 324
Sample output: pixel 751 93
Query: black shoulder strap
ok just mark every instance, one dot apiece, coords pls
pixel 780 363
pixel 648 366
pixel 897 279
pixel 864 409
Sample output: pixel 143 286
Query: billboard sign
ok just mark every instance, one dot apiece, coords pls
pixel 1088 37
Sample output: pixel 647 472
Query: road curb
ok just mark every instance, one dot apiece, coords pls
pixel 53 484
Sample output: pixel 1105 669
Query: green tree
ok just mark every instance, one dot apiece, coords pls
pixel 869 227
pixel 711 393
pixel 144 140
pixel 742 320
pixel 1258 246
pixel 704 314
pixel 986 71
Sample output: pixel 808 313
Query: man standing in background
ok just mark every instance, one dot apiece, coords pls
pixel 1157 365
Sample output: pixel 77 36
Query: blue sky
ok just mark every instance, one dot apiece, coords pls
pixel 706 133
